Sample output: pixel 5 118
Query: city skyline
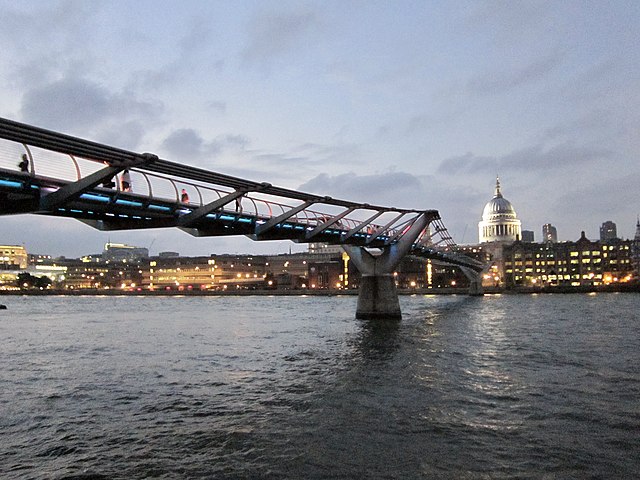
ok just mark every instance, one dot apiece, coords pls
pixel 414 105
pixel 538 238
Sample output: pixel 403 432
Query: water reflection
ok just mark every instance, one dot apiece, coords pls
pixel 490 387
pixel 378 340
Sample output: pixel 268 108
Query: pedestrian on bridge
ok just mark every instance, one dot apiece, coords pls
pixel 24 164
pixel 125 181
pixel 184 198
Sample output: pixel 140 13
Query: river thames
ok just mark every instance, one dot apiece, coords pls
pixel 500 386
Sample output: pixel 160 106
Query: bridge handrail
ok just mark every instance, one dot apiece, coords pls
pixel 202 183
pixel 58 142
pixel 38 161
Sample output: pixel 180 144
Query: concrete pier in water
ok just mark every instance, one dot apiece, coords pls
pixel 378 296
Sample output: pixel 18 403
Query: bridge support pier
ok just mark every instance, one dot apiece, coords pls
pixel 378 296
pixel 475 281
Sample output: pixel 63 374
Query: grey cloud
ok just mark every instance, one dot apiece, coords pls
pixel 194 52
pixel 273 34
pixel 124 134
pixel 467 163
pixel 515 22
pixel 589 197
pixel 42 44
pixel 47 24
pixel 78 104
pixel 187 144
pixel 501 81
pixel 531 159
pixel 566 155
pixel 279 168
pixel 67 104
pixel 307 155
pixel 391 187
pixel 419 123
pixel 199 34
pixel 279 160
pixel 597 122
pixel 321 154
pixel 622 207
pixel 217 106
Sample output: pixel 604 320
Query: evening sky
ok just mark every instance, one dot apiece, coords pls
pixel 415 104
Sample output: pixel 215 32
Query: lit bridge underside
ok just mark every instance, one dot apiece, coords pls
pixel 71 177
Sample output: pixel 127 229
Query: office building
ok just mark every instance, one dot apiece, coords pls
pixel 608 231
pixel 527 236
pixel 119 252
pixel 549 233
pixel 577 264
pixel 13 257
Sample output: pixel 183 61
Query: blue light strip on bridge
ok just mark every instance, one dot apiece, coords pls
pixel 130 203
pixel 10 184
pixel 96 198
pixel 159 207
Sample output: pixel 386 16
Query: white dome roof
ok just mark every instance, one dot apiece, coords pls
pixel 498 206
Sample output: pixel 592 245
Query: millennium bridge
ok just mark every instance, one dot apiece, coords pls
pixel 49 173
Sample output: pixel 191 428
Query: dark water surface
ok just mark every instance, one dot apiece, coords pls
pixel 544 386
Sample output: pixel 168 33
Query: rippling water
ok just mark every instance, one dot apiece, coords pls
pixel 543 386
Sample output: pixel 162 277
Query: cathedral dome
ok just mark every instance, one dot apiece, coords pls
pixel 498 205
pixel 499 220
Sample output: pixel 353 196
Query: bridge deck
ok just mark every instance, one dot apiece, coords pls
pixel 48 173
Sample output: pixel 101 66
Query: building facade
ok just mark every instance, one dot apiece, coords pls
pixel 549 233
pixel 608 231
pixel 636 249
pixel 576 264
pixel 216 272
pixel 528 236
pixel 13 257
pixel 119 252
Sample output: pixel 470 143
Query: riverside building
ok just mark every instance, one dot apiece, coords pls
pixel 570 264
pixel 216 272
pixel 13 257
pixel 636 249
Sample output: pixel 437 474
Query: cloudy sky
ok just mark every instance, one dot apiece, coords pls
pixel 415 104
